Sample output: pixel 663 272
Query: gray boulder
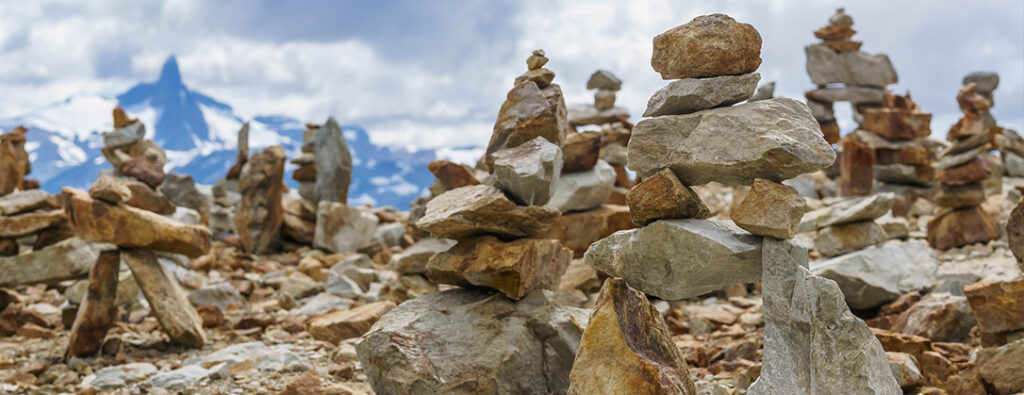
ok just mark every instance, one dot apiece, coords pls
pixel 694 94
pixel 583 190
pixel 876 275
pixel 342 228
pixel 848 211
pixel 826 66
pixel 333 163
pixel 527 171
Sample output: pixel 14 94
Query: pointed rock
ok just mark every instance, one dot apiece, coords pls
pixel 513 268
pixel 662 196
pixel 770 209
pixel 98 309
pixel 259 214
pixel 708 46
pixel 333 163
pixel 481 209
pixel 243 153
pixel 452 175
pixel 528 171
pixel 527 113
pixel 166 299
pixel 694 94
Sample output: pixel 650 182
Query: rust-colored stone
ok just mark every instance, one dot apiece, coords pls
pixel 146 169
pixel 974 171
pixel 663 196
pixel 912 155
pixel 897 124
pixel 349 323
pixel 856 176
pixel 98 310
pixel 899 342
pixel 121 118
pixel 452 175
pixel 961 227
pixel 580 151
pixel 998 306
pixel 259 215
pixel 577 231
pixel 14 161
pixel 29 223
pixel 830 130
pixel 835 33
pixel 514 268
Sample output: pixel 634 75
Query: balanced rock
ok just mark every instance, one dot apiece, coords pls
pixel 774 139
pixel 259 215
pixel 482 209
pixel 939 316
pixel 577 231
pixel 906 370
pixel 898 173
pixel 1001 367
pixel 848 211
pixel 856 175
pixel 514 268
pixel 30 223
pixel 876 275
pixel 708 46
pixel 678 259
pixel 770 209
pixel 960 227
pixel 580 151
pixel 827 66
pixel 975 171
pixel 133 193
pixel 14 160
pixel 840 239
pixel 349 323
pixel 333 163
pixel 583 190
pixel 662 196
pixel 528 171
pixel 242 154
pixel 531 345
pixel 181 190
pixel 527 113
pixel 413 260
pixel 65 260
pixel 342 228
pixel 694 94
pixel 897 124
pixel 604 80
pixel 452 175
pixel 146 169
pixel 626 335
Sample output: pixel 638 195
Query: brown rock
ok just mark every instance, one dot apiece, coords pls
pixel 146 169
pixel 580 151
pixel 115 190
pixel 121 118
pixel 349 323
pixel 897 124
pixel 167 300
pixel 536 60
pixel 855 168
pixel 26 201
pixel 844 46
pixel 259 215
pixel 1001 367
pixel 242 155
pixel 100 222
pixel 939 316
pixel 913 155
pixel 961 227
pixel 452 175
pixel 306 384
pixel 663 196
pixel 211 315
pixel 627 349
pixel 305 173
pixel 998 306
pixel 527 113
pixel 29 223
pixel 899 342
pixel 8 247
pixel 830 130
pixel 14 161
pixel 936 368
pixel 1015 233
pixel 542 77
pixel 98 310
pixel 109 189
pixel 708 46
pixel 53 235
pixel 577 231
pixel 905 368
pixel 835 33
pixel 482 209
pixel 622 178
pixel 840 239
pixel 514 268
pixel 960 196
pixel 770 209
pixel 974 171
pixel 299 220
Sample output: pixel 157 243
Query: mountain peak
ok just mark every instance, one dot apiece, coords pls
pixel 170 73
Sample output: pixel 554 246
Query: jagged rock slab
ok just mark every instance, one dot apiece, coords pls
pixel 897 173
pixel 166 298
pixel 65 260
pixel 939 316
pixel 134 193
pixel 604 80
pixel 853 94
pixel 708 46
pixel 527 113
pixel 181 190
pixel 770 209
pixel 527 172
pixel 349 323
pixel 626 335
pixel 848 211
pixel 423 346
pixel 30 223
pixel 876 275
pixel 583 190
pixel 813 343
pixel 100 222
pixel 333 163
pixel 24 201
pixel 826 66
pixel 514 268
pixel 577 231
pixel 774 139
pixel 998 306
pixel 896 124
pixel 342 228
pixel 98 309
pixel 840 239
pixel 452 175
pixel 586 114
pixel 259 214
pixel 481 209
pixel 1001 367
pixel 678 259
pixel 662 196
pixel 694 94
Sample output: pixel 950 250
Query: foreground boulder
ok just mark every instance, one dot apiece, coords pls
pixel 708 46
pixel 423 345
pixel 774 139
pixel 678 259
pixel 481 209
pixel 1001 367
pixel 961 227
pixel 998 306
pixel 514 268
pixel 627 349
pixel 876 275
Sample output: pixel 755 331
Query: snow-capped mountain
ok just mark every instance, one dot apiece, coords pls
pixel 199 134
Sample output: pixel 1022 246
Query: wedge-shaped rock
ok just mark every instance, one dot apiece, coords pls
pixel 98 309
pixel 414 259
pixel 349 323
pixel 960 196
pixel 134 193
pixel 527 172
pixel 259 215
pixel 840 239
pixel 813 343
pixel 452 175
pixel 527 113
pixel 577 231
pixel 856 68
pixel 626 335
pixel 101 222
pixel 774 139
pixel 770 209
pixel 583 190
pixel 65 260
pixel 876 275
pixel 580 151
pixel 694 94
pixel 848 211
pixel 481 209
pixel 1001 367
pixel 678 259
pixel 530 345
pixel 896 173
pixel 166 298
pixel 960 227
pixel 514 268
pixel 29 223
pixel 662 196
pixel 342 228
pixel 707 46
pixel 998 306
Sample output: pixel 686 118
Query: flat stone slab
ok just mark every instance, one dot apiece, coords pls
pixel 694 94
pixel 848 211
pixel 65 260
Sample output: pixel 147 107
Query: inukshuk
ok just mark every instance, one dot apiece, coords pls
pixel 963 167
pixel 813 343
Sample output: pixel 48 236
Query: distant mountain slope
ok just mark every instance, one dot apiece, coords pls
pixel 199 134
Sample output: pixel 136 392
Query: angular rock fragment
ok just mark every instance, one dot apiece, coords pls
pixel 481 209
pixel 527 113
pixel 897 124
pixel 109 189
pixel 961 227
pixel 583 190
pixel 349 323
pixel 333 163
pixel 876 275
pixel 167 300
pixel 115 190
pixel 678 259
pixel 708 46
pixel 452 175
pixel 580 151
pixel 25 201
pixel 826 66
pixel 98 309
pixel 694 94
pixel 906 370
pixel 840 239
pixel 626 335
pixel 605 80
pixel 1015 233
pixel 856 175
pixel 146 169
pixel 770 209
pixel 662 196
pixel 998 306
pixel 577 231
pixel 181 190
pixel 414 259
pixel 29 223
pixel 242 154
pixel 342 228
pixel 514 268
pixel 528 171
pixel 939 316
pixel 975 171
pixel 1001 366
pixel 259 214
pixel 774 139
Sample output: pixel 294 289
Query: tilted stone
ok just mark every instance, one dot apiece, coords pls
pixel 531 345
pixel 774 139
pixel 414 259
pixel 514 268
pixel 626 335
pixel 678 259
pixel 853 94
pixel 259 214
pixel 848 211
pixel 528 171
pixel 125 135
pixel 65 260
pixel 452 175
pixel 481 209
pixel 694 94
pixel 349 323
pixel 342 228
pixel 527 113
pixel 29 223
pixel 333 163
pixel 98 309
pixel 604 79
pixel 167 300
pixel 897 124
pixel 662 196
pixel 25 201
pixel 770 209
pixel 134 193
pixel 577 231
pixel 826 66
pixel 960 227
pixel 242 154
pixel 951 161
pixel 583 190
pixel 840 239
pixel 876 275
pixel 997 305
pixel 708 46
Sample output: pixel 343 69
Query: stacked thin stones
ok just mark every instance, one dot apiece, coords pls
pixel 614 130
pixel 849 225
pixel 897 135
pixel 963 167
pixel 305 174
pixel 18 194
pixel 225 193
pixel 131 153
pixel 696 136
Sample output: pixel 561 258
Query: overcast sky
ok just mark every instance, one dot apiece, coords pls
pixel 434 73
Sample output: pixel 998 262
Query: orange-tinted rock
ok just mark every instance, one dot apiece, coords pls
pixel 167 300
pixel 1015 232
pixel 527 113
pixel 974 171
pixel 349 323
pixel 304 173
pixel 452 175
pixel 770 209
pixel 912 155
pixel 29 223
pixel 998 306
pixel 259 214
pixel 708 46
pixel 663 196
pixel 53 235
pixel 897 124
pixel 856 175
pixel 121 118
pixel 14 161
pixel 577 231
pixel 844 46
pixel 830 130
pixel 835 33
pixel 960 196
pixel 622 178
pixel 580 151
pixel 899 342
pixel 8 247
pixel 98 310
pixel 514 268
pixel 961 227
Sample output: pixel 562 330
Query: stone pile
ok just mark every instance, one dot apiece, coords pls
pixel 604 110
pixel 305 174
pixel 696 137
pixel 131 153
pixel 848 226
pixel 612 137
pixel 903 153
pixel 963 168
pixel 14 162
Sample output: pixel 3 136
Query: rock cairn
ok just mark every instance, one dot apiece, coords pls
pixel 131 153
pixel 22 205
pixel 305 174
pixel 14 162
pixel 902 150
pixel 963 167
pixel 612 137
pixel 697 137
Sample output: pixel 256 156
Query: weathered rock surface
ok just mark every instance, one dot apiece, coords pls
pixel 166 298
pixel 678 259
pixel 906 370
pixel 482 209
pixel 25 201
pixel 840 239
pixel 897 124
pixel 998 306
pixel 813 343
pixel 98 310
pixel 827 66
pixel 223 295
pixel 414 259
pixel 848 211
pixel 876 275
pixel 604 80
pixel 627 348
pixel 580 151
pixel 856 95
pixel 770 209
pixel 961 227
pixel 774 139
pixel 897 173
pixel 586 114
pixel 527 172
pixel 29 223
pixel 577 231
pixel 1001 367
pixel 1015 233
pixel 181 190
pixel 662 196
pixel 342 228
pixel 708 46
pixel 856 174
pixel 527 113
pixel 939 316
pixel 452 175
pixel 694 94
pixel 583 190
pixel 259 214
pixel 531 345
pixel 349 323
pixel 333 163
pixel 100 222
pixel 115 190
pixel 67 259
pixel 514 268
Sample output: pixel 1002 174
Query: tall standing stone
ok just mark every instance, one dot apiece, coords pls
pixel 855 168
pixel 243 153
pixel 166 298
pixel 98 310
pixel 333 163
pixel 259 216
